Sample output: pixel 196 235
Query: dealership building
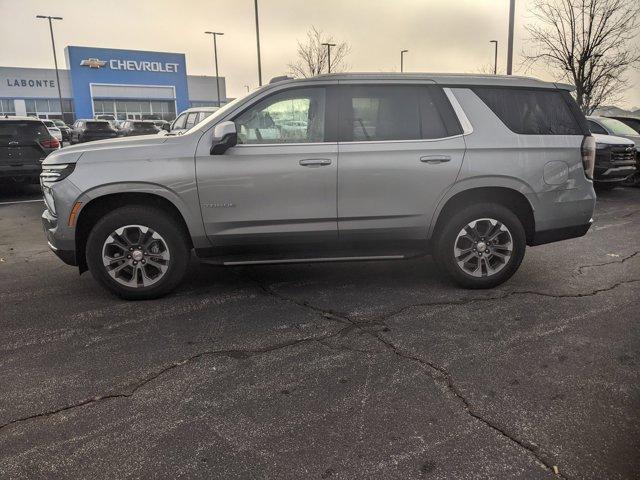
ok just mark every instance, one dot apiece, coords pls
pixel 128 84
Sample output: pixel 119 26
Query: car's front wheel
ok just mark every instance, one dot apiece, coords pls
pixel 138 252
pixel 481 246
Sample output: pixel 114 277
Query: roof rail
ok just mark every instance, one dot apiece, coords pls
pixel 281 78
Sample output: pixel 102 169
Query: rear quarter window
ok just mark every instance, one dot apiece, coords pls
pixel 533 111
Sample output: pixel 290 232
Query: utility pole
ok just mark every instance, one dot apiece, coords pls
pixel 329 45
pixel 55 58
pixel 215 56
pixel 495 61
pixel 255 3
pixel 512 12
pixel 402 52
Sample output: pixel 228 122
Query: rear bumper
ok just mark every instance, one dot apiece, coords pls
pixel 10 172
pixel 558 234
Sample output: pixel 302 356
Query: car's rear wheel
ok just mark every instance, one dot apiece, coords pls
pixel 138 252
pixel 481 246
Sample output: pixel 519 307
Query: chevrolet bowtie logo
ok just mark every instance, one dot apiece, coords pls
pixel 92 63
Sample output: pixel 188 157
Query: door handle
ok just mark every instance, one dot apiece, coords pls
pixel 315 162
pixel 433 159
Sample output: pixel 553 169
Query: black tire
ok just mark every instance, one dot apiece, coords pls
pixel 446 238
pixel 155 219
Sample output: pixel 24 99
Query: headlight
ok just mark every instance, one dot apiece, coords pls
pixel 55 173
pixel 601 146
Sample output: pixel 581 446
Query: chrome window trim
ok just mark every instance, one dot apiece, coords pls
pixel 467 128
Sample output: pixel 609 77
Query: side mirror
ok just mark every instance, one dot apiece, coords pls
pixel 224 137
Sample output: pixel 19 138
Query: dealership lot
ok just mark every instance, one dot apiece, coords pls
pixel 370 370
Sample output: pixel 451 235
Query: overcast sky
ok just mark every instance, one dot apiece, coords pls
pixel 441 35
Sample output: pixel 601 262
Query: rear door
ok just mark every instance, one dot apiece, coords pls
pixel 400 148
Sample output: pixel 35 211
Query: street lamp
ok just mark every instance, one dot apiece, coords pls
pixel 215 57
pixel 55 58
pixel 512 11
pixel 255 4
pixel 495 61
pixel 329 45
pixel 402 52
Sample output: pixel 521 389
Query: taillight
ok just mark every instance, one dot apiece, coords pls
pixel 588 155
pixel 51 142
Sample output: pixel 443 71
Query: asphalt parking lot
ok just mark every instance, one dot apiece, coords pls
pixel 379 370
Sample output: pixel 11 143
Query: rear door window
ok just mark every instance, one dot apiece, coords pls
pixel 192 119
pixel 395 112
pixel 531 111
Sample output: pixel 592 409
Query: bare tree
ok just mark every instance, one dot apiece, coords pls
pixel 587 42
pixel 312 55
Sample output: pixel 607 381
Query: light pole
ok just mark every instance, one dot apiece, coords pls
pixel 255 4
pixel 329 45
pixel 402 52
pixel 495 61
pixel 512 12
pixel 215 57
pixel 55 58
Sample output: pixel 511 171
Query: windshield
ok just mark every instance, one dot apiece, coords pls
pixel 221 111
pixel 616 127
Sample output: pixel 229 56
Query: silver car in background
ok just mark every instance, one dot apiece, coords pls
pixel 338 167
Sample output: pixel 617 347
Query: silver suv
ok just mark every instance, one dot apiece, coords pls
pixel 470 169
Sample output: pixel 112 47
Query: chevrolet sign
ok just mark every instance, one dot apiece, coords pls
pixel 132 65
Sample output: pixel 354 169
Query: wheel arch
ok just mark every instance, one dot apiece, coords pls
pixel 97 206
pixel 510 197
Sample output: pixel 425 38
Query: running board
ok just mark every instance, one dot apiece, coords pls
pixel 307 260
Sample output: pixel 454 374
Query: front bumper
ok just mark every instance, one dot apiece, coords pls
pixel 50 225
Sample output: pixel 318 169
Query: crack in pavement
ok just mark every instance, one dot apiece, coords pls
pixel 441 374
pixel 622 260
pixel 438 373
pixel 233 353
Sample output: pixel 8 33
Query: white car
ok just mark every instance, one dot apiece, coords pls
pixel 189 118
pixel 53 130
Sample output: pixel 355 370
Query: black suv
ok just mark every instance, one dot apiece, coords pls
pixel 131 128
pixel 89 130
pixel 24 144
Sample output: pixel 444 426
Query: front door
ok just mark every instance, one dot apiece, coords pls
pixel 400 149
pixel 278 185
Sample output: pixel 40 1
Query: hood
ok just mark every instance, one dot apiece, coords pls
pixel 73 153
pixel 611 140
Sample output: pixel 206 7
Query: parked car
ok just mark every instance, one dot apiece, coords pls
pixel 89 130
pixel 53 129
pixel 64 128
pixel 138 127
pixel 611 126
pixel 189 118
pixel 470 169
pixel 24 144
pixel 615 161
pixel 633 122
pixel 162 125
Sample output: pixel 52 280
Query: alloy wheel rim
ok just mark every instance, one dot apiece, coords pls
pixel 135 256
pixel 483 247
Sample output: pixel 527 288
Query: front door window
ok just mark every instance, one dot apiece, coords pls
pixel 294 116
